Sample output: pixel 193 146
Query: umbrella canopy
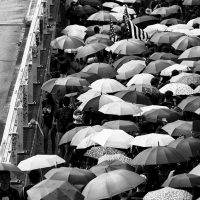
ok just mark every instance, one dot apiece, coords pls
pixel 97 102
pixel 151 29
pixel 144 89
pixel 104 70
pixel 177 89
pixel 172 21
pixel 168 70
pixel 74 27
pixel 90 77
pixel 182 181
pixel 106 85
pixel 134 97
pixel 121 9
pixel 155 67
pixel 163 56
pixel 84 11
pixel 179 26
pixel 118 63
pixel 110 5
pixel 156 115
pixel 105 29
pixel 191 2
pixel 74 175
pixel 186 78
pixel 86 96
pixel 158 156
pixel 112 183
pixel 128 47
pixel 75 33
pixel 186 42
pixel 178 128
pixel 48 85
pixel 191 53
pixel 151 140
pixel 145 20
pixel 126 1
pixel 168 193
pixel 54 189
pixel 195 170
pixel 102 16
pixel 9 167
pixel 194 21
pixel 67 137
pixel 113 138
pixel 67 42
pixel 127 126
pixel 40 161
pixel 107 166
pixel 90 49
pixel 190 146
pixel 120 108
pixel 99 38
pixel 165 37
pixel 90 2
pixel 143 78
pixel 97 152
pixel 129 69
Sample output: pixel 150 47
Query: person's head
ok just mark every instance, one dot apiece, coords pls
pixel 168 94
pixel 34 176
pixel 66 101
pixel 78 116
pixel 4 180
pixel 96 29
pixel 154 82
pixel 175 72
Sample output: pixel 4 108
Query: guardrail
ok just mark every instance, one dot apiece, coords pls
pixel 12 140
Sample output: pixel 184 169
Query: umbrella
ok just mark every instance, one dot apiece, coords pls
pixel 182 181
pixel 127 70
pixel 112 183
pixel 143 78
pixel 134 97
pixel 74 27
pixel 67 42
pixel 151 29
pixel 191 2
pixel 113 138
pixel 177 89
pixel 97 152
pixel 54 189
pixel 145 20
pixel 90 2
pixel 179 26
pixel 127 126
pixel 155 67
pixel 83 133
pixel 172 21
pixel 156 115
pixel 84 11
pixel 195 170
pixel 165 37
pixel 127 1
pixel 120 9
pixel 111 165
pixel 67 137
pixel 90 77
pixel 120 108
pixel 89 49
pixel 110 5
pixel 99 38
pixel 186 78
pixel 158 156
pixel 144 89
pixel 104 70
pixel 191 53
pixel 106 85
pixel 102 16
pixel 168 70
pixel 168 193
pixel 97 102
pixel 40 161
pixel 88 95
pixel 48 85
pixel 190 63
pixel 194 32
pixel 75 33
pixel 163 56
pixel 74 175
pixel 186 42
pixel 190 146
pixel 105 29
pixel 128 47
pixel 178 128
pixel 151 140
pixel 118 63
pixel 194 21
pixel 9 167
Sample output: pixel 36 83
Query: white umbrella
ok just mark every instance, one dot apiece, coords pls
pixel 113 138
pixel 151 29
pixel 195 170
pixel 74 27
pixel 120 9
pixel 194 21
pixel 179 26
pixel 39 162
pixel 140 79
pixel 151 140
pixel 168 71
pixel 86 96
pixel 110 4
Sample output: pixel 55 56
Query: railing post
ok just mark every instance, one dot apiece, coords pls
pixel 25 104
pixel 20 128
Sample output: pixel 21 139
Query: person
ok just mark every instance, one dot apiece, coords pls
pixel 96 30
pixel 34 177
pixel 7 192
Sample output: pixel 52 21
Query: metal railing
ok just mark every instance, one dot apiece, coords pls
pixel 12 140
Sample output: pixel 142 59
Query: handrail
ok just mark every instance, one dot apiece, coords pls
pixel 11 132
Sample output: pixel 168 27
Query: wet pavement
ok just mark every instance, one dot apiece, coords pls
pixel 12 15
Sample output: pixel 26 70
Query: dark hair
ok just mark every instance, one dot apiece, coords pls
pixel 154 81
pixel 175 72
pixel 66 101
pixel 96 29
pixel 34 176
pixel 168 94
pixel 5 172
